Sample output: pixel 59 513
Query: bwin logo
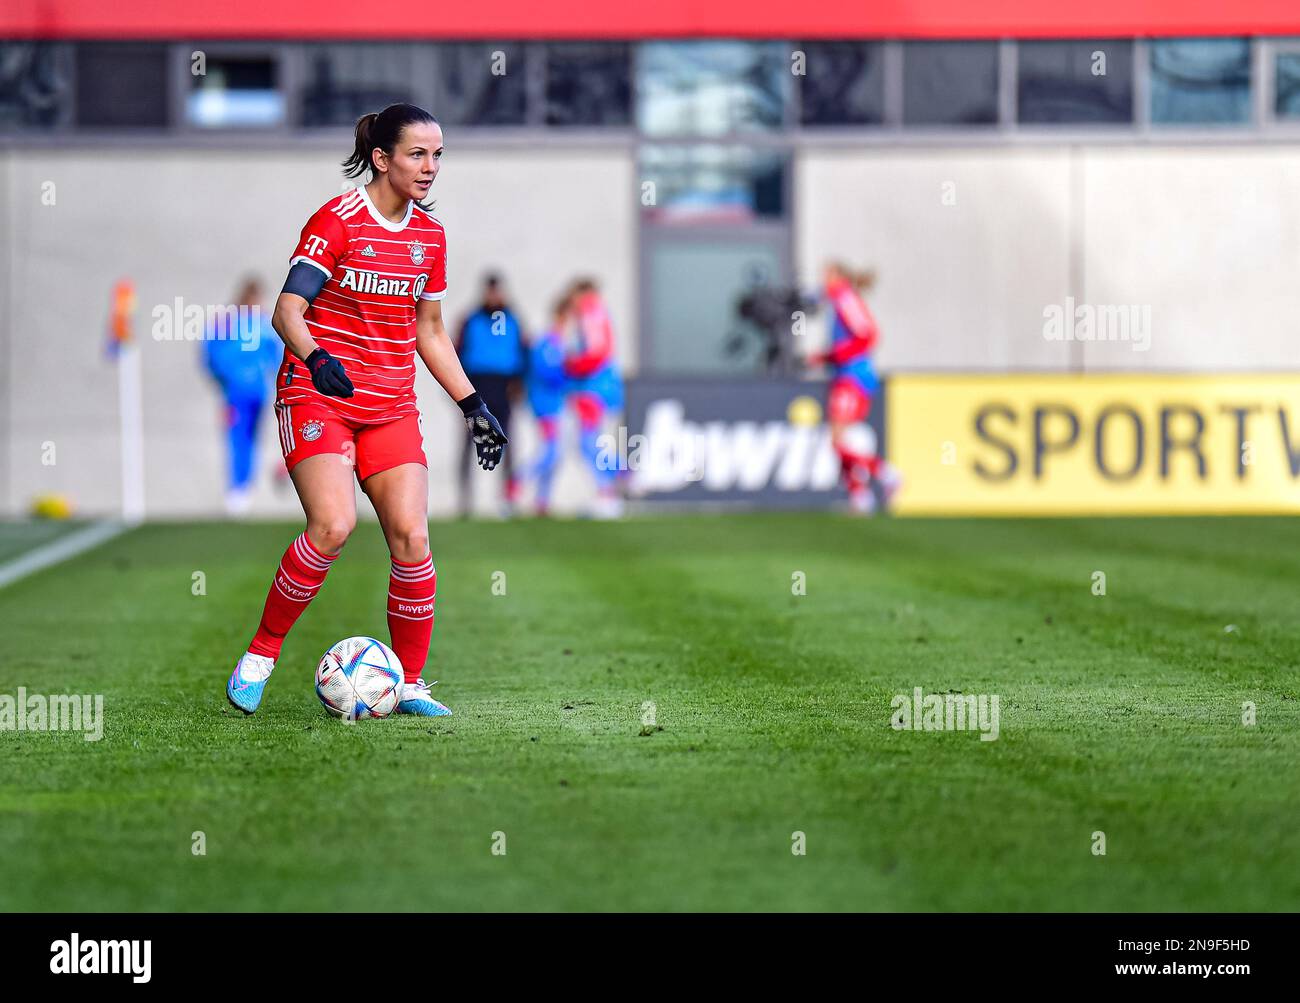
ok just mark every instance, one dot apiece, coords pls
pixel 102 957
pixel 734 455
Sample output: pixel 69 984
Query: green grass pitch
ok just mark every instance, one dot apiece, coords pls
pixel 1120 713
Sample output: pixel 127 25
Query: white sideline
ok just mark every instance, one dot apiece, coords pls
pixel 57 551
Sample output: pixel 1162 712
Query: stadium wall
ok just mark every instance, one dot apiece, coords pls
pixel 189 224
pixel 972 246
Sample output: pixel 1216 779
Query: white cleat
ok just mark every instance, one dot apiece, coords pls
pixel 890 481
pixel 607 507
pixel 862 502
pixel 239 502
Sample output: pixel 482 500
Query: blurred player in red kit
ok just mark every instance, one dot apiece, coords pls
pixel 363 296
pixel 854 384
pixel 595 390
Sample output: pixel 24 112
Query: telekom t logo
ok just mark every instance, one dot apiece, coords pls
pixel 316 244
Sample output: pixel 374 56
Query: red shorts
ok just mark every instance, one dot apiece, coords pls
pixel 848 402
pixel 311 429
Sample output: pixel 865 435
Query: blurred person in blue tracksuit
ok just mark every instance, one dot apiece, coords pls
pixel 241 353
pixel 490 344
pixel 547 388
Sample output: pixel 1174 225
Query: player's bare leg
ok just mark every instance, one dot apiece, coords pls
pixel 852 471
pixel 324 485
pixel 400 496
pixel 858 470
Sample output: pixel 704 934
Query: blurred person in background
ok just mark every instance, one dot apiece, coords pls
pixel 595 389
pixel 491 349
pixel 546 386
pixel 854 384
pixel 241 353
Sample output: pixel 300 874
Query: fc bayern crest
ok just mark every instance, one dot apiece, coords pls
pixel 311 430
pixel 417 252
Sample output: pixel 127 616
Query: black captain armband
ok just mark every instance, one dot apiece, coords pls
pixel 305 280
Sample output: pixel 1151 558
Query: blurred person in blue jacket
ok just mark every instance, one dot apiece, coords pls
pixel 547 388
pixel 491 349
pixel 241 353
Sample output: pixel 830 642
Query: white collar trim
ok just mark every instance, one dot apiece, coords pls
pixel 379 217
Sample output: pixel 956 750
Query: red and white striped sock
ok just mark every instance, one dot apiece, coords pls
pixel 299 577
pixel 411 591
pixel 851 462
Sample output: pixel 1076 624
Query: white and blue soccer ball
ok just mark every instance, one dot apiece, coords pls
pixel 359 677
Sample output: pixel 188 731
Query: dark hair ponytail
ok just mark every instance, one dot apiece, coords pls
pixel 381 131
pixel 359 161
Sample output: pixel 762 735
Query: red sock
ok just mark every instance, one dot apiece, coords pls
pixel 851 461
pixel 411 589
pixel 299 577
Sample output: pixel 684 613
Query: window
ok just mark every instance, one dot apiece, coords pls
pixel 344 82
pixel 35 84
pixel 1200 81
pixel 232 90
pixel 716 231
pixel 717 184
pixel 843 83
pixel 121 84
pixel 588 84
pixel 1075 82
pixel 482 84
pixel 950 83
pixel 712 88
pixel 1287 85
pixel 697 286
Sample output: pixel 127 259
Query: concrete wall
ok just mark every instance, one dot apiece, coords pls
pixel 1207 237
pixel 971 245
pixel 188 224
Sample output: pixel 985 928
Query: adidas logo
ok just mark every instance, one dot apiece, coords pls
pixel 369 252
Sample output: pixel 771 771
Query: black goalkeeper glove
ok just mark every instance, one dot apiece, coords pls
pixel 489 438
pixel 327 374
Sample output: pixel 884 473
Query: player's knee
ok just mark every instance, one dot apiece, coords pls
pixel 409 544
pixel 329 535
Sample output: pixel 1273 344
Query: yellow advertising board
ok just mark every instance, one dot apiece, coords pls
pixel 1034 444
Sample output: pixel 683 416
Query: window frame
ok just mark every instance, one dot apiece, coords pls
pixel 181 84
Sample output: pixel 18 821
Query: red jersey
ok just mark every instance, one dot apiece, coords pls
pixel 365 314
pixel 596 335
pixel 854 332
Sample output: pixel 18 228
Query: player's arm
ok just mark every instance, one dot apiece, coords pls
pixel 320 248
pixel 290 323
pixel 856 317
pixel 439 356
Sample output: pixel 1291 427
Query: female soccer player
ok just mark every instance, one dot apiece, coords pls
pixel 364 294
pixel 596 388
pixel 854 385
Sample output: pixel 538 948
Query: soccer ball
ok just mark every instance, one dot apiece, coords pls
pixel 359 677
